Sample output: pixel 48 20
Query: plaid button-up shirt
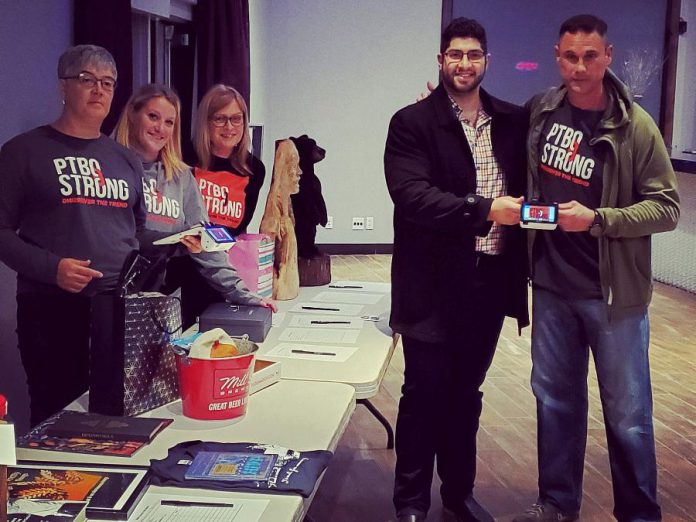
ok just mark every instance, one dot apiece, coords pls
pixel 490 178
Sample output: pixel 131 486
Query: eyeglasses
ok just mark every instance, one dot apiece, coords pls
pixel 89 81
pixel 220 121
pixel 456 56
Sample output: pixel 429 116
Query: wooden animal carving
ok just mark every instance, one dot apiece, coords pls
pixel 308 204
pixel 279 223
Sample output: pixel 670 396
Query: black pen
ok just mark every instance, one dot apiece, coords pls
pixel 329 322
pixel 320 308
pixel 310 352
pixel 344 286
pixel 186 503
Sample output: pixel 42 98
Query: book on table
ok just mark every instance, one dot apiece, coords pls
pixel 39 439
pixel 79 424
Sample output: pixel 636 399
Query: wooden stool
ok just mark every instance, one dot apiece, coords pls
pixel 314 271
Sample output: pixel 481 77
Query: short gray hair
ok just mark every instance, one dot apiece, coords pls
pixel 77 58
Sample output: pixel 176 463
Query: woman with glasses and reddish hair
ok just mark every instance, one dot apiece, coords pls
pixel 228 175
pixel 71 210
pixel 150 126
pixel 229 178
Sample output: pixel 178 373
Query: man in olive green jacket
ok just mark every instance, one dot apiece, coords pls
pixel 602 158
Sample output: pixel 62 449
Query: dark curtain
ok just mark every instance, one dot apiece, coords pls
pixel 108 24
pixel 222 31
pixel 183 61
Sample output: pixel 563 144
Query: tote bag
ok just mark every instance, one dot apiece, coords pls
pixel 132 369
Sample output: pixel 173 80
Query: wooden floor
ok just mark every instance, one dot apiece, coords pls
pixel 358 484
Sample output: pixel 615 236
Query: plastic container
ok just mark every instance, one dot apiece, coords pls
pixel 215 389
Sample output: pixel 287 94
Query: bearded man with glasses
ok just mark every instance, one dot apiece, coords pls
pixel 455 169
pixel 71 210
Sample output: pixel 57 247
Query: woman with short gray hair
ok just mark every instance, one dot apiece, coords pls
pixel 70 209
pixel 76 59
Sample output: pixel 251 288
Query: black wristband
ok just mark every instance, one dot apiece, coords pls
pixel 597 225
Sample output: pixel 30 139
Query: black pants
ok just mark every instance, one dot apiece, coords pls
pixel 53 333
pixel 441 402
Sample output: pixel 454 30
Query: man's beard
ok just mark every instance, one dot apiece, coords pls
pixel 453 87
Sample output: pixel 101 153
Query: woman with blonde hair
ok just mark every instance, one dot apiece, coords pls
pixel 229 178
pixel 150 126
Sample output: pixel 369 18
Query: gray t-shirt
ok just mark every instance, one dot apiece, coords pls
pixel 175 205
pixel 63 196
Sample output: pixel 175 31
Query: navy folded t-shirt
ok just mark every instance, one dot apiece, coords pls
pixel 293 472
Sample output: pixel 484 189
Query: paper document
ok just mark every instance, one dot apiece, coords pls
pixel 361 286
pixel 8 455
pixel 313 352
pixel 278 318
pixel 343 296
pixel 321 321
pixel 327 309
pixel 324 335
pixel 159 507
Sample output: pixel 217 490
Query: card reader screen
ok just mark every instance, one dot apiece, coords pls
pixel 538 213
pixel 220 234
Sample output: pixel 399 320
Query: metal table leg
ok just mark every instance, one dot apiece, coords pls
pixel 378 415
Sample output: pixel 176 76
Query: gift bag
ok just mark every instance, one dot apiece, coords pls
pixel 132 369
pixel 252 257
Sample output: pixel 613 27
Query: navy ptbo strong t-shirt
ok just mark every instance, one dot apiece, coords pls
pixel 570 168
pixel 68 197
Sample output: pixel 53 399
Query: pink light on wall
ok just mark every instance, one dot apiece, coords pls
pixel 527 66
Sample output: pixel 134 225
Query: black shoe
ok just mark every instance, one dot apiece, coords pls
pixel 411 518
pixel 545 513
pixel 471 511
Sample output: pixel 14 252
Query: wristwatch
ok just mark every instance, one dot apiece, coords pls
pixel 597 225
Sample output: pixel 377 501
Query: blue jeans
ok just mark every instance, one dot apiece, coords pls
pixel 563 333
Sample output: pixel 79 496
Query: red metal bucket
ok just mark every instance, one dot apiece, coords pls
pixel 214 389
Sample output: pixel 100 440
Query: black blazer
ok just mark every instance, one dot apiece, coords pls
pixel 431 178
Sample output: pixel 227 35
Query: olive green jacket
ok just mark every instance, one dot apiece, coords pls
pixel 639 195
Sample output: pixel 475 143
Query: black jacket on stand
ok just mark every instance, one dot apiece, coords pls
pixel 431 178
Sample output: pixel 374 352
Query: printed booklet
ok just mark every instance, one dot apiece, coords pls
pixel 110 492
pixel 214 465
